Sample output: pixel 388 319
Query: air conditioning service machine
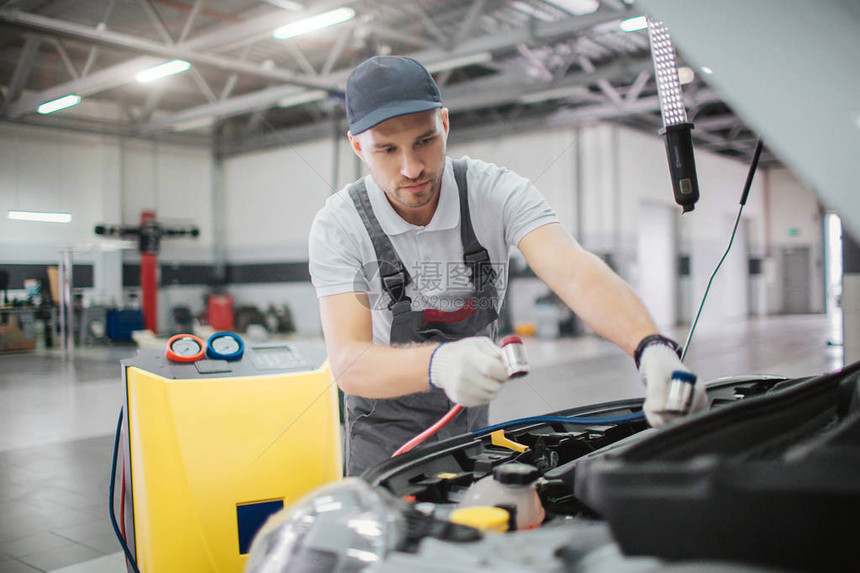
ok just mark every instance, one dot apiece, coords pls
pixel 214 437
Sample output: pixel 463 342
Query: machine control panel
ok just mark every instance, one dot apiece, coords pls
pixel 225 355
pixel 277 357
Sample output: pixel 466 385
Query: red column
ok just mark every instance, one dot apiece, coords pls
pixel 149 290
pixel 149 272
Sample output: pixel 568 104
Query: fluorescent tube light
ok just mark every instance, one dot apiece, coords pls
pixel 532 11
pixel 286 5
pixel 576 7
pixel 41 216
pixel 194 124
pixel 460 62
pixel 706 70
pixel 58 104
pixel 634 24
pixel 162 70
pixel 314 23
pixel 303 97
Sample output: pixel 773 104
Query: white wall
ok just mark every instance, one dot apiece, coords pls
pixel 100 179
pixel 270 199
pixel 704 232
pixel 176 182
pixel 46 170
pixel 266 202
pixel 547 158
pixel 657 262
pixel 794 207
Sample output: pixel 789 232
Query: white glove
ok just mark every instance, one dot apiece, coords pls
pixel 656 366
pixel 471 370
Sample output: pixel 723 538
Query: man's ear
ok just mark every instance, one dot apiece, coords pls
pixel 355 144
pixel 443 115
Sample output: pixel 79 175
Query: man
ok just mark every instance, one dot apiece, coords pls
pixel 408 264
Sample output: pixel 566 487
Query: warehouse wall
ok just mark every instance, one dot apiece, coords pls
pixel 102 179
pixel 701 235
pixel 795 224
pixel 270 199
pixel 619 170
pixel 255 211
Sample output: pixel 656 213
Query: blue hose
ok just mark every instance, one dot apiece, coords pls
pixel 581 421
pixel 116 530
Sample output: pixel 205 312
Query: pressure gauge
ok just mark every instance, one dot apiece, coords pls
pixel 185 348
pixel 225 346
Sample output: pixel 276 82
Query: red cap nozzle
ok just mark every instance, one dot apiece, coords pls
pixel 510 339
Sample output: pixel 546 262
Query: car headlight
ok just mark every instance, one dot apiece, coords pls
pixel 341 527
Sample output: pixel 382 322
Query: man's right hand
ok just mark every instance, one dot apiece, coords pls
pixel 471 370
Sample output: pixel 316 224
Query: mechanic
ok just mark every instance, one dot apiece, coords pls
pixel 410 262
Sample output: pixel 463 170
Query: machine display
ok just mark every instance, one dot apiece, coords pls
pixel 209 448
pixel 766 481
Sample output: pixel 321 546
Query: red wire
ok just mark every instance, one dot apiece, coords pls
pixel 452 413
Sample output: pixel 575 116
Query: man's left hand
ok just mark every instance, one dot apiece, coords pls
pixel 656 367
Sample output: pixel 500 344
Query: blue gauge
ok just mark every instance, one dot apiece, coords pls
pixel 225 346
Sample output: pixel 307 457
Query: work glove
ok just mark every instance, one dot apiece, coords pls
pixel 471 370
pixel 657 364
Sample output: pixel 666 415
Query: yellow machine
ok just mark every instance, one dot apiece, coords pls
pixel 211 448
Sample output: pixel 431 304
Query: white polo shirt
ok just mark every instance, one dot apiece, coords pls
pixel 504 208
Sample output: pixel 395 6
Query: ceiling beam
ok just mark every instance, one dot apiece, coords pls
pixel 217 40
pixel 93 83
pixel 61 28
pixel 64 56
pixel 534 33
pixel 190 21
pixel 507 89
pixel 157 21
pixel 92 125
pixel 23 68
pixel 563 118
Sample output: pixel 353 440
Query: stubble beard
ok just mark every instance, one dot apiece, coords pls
pixel 434 188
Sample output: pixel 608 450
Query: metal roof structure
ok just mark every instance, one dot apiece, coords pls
pixel 502 65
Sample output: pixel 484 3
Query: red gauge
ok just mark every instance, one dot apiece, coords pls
pixel 185 348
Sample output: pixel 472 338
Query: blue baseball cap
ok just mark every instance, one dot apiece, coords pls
pixel 388 86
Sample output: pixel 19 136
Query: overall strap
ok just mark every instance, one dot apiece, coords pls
pixel 391 270
pixel 475 256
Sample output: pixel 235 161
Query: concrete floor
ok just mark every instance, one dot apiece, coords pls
pixel 57 420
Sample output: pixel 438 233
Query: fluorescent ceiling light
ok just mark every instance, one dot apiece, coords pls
pixel 706 70
pixel 634 24
pixel 41 216
pixel 555 93
pixel 162 70
pixel 576 7
pixel 460 62
pixel 686 75
pixel 303 97
pixel 58 104
pixel 313 23
pixel 532 11
pixel 194 124
pixel 286 5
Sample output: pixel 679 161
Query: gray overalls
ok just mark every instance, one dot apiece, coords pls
pixel 377 427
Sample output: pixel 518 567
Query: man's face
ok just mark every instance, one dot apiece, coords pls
pixel 406 157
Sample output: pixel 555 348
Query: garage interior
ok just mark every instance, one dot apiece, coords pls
pixel 236 150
